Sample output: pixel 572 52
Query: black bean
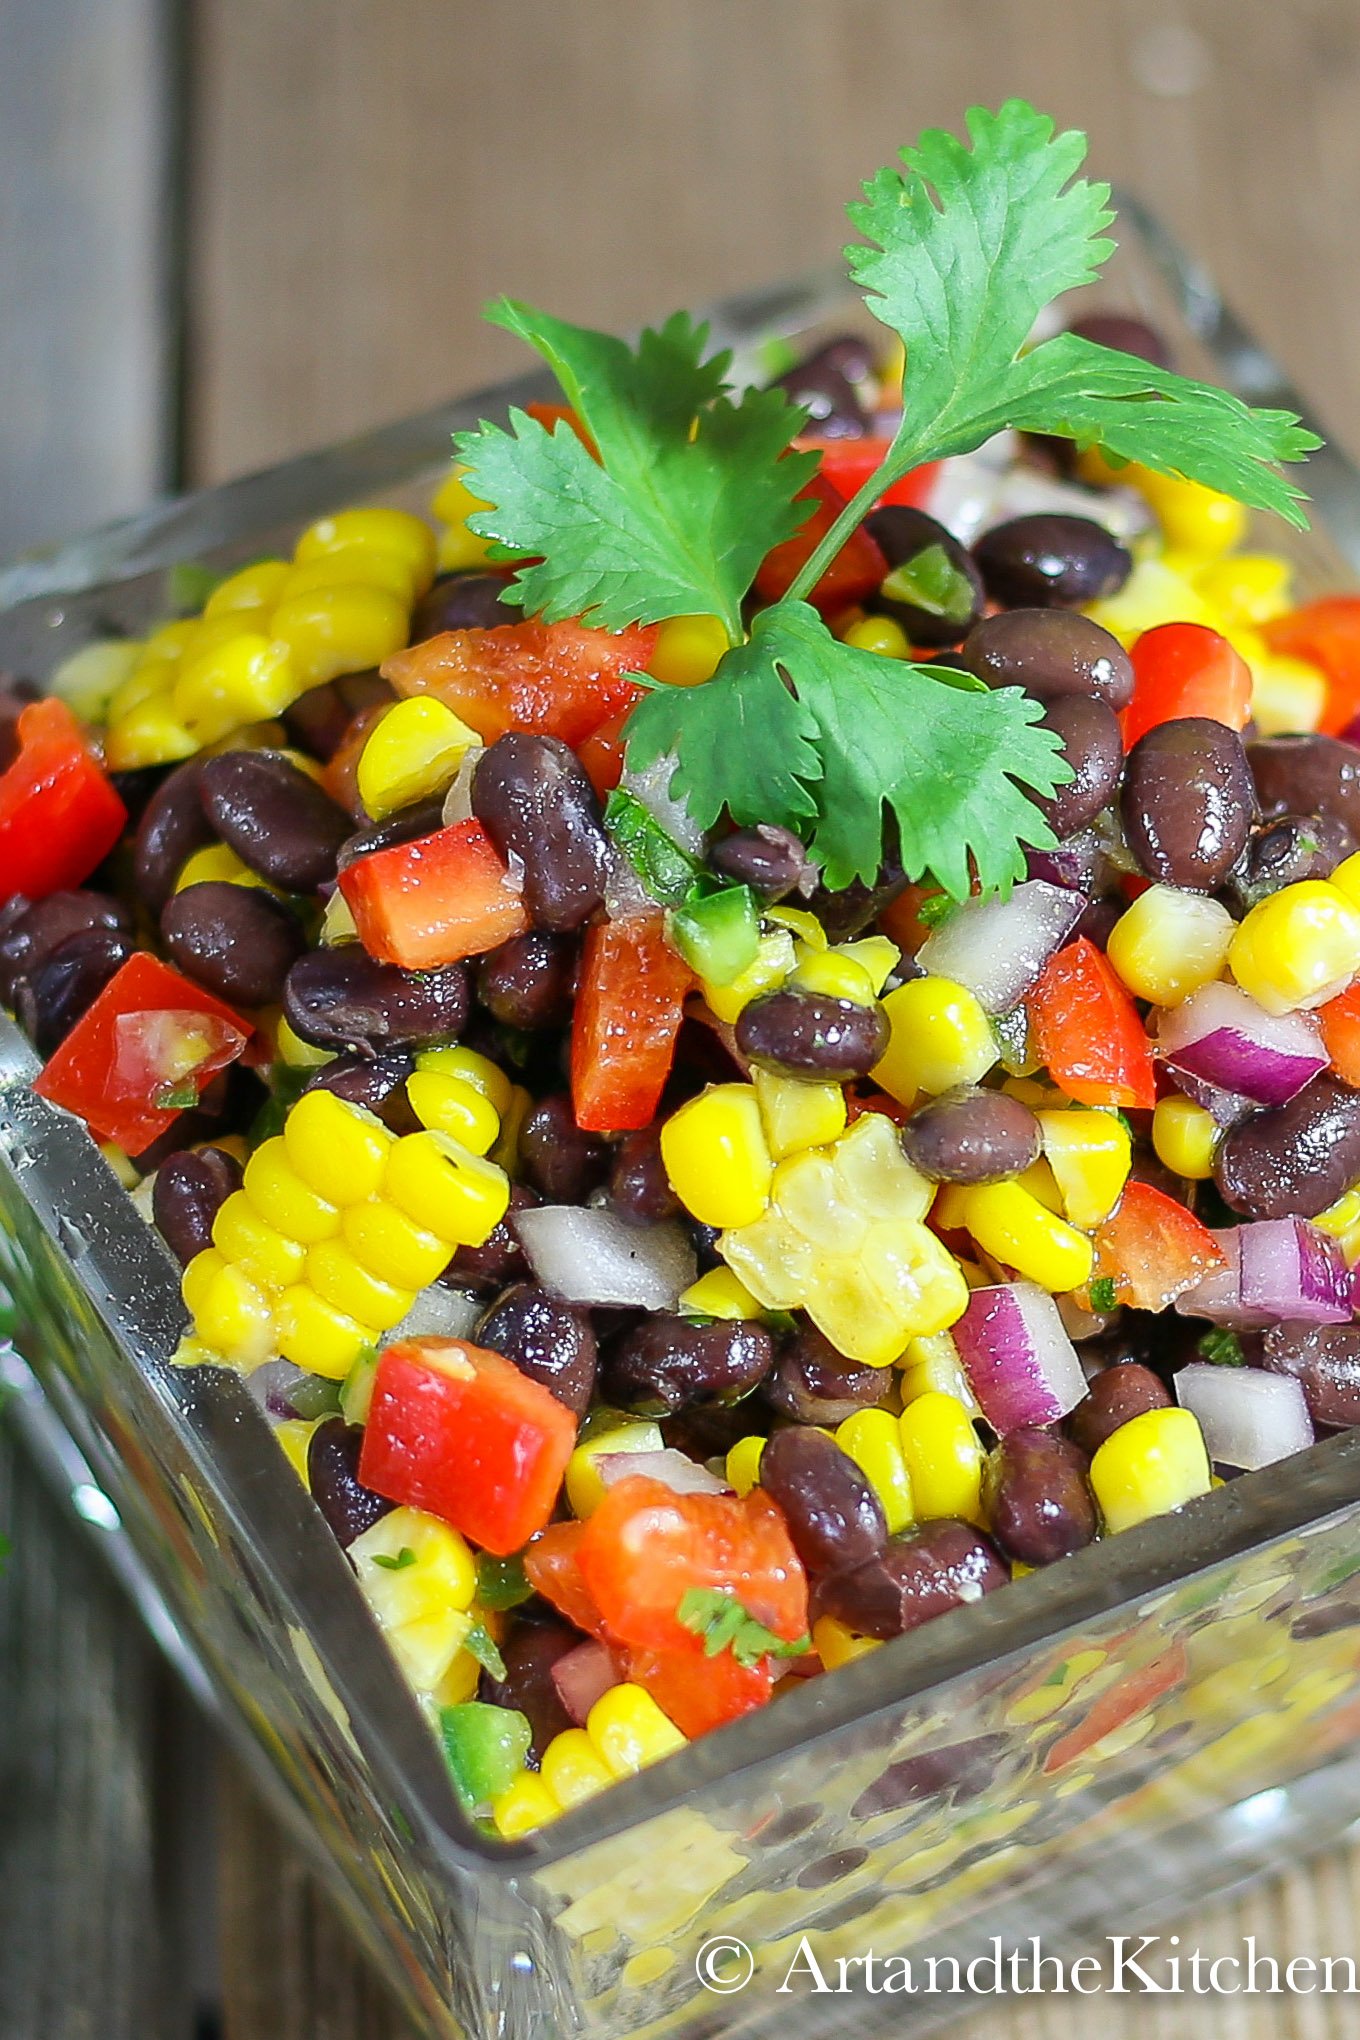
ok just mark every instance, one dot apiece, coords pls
pixel 828 395
pixel 189 1191
pixel 559 1160
pixel 1038 1500
pixel 172 827
pixel 835 1519
pixel 1188 803
pixel 275 817
pixel 237 941
pixel 499 1259
pixel 530 1651
pixel 666 1363
pixel 848 911
pixel 462 602
pixel 1292 1161
pixel 1112 1398
pixel 815 1384
pixel 768 858
pixel 348 1506
pixel 1088 730
pixel 969 1135
pixel 550 1341
pixel 639 1188
pixel 31 931
pixel 904 534
pixel 1125 334
pixel 319 720
pixel 407 825
pixel 65 986
pixel 1325 1359
pixel 530 981
pixel 342 998
pixel 377 1082
pixel 1097 923
pixel 1053 560
pixel 943 1565
pixel 1050 652
pixel 533 798
pixel 808 1034
pixel 1312 775
pixel 1295 847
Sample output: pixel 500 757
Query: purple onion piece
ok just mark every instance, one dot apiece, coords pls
pixel 1222 1038
pixel 1020 1363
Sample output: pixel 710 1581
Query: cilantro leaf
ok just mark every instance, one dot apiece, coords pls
pixel 689 493
pixel 1104 1294
pixel 1223 1347
pixel 403 1558
pixel 665 868
pixel 800 729
pixel 725 1624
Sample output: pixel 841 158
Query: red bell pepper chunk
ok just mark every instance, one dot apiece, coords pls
pixel 1185 669
pixel 646 1547
pixel 1340 1023
pixel 561 679
pixel 858 569
pixel 628 1012
pixel 142 1054
pixel 602 753
pixel 552 1567
pixel 848 464
pixel 1153 1249
pixel 59 812
pixel 1327 635
pixel 1088 1033
pixel 458 1431
pixel 435 900
pixel 698 1692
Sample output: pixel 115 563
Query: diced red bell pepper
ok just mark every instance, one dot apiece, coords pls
pixel 646 1547
pixel 1120 1703
pixel 458 1431
pixel 1340 1023
pixel 560 679
pixel 628 1012
pixel 1327 635
pixel 1088 1033
pixel 340 774
pixel 858 569
pixel 1153 1249
pixel 143 1053
pixel 602 753
pixel 848 464
pixel 550 416
pixel 1185 669
pixel 435 900
pixel 699 1692
pixel 59 812
pixel 552 1567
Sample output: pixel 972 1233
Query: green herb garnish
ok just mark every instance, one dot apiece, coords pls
pixel 403 1558
pixel 481 1644
pixel 724 1624
pixel 180 1097
pixel 935 909
pixel 1223 1347
pixel 667 871
pixel 1104 1294
pixel 501 1582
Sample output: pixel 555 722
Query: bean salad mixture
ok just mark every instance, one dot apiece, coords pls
pixel 756 1029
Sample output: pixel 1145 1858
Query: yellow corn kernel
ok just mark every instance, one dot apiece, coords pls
pixel 413 753
pixel 447 1189
pixel 477 1070
pixel 1154 593
pixel 881 634
pixel 358 566
pixel 688 649
pixel 873 1174
pixel 585 1489
pixel 120 1163
pixel 943 1457
pixel 1299 947
pixel 253 587
pixel 446 1104
pixel 1346 877
pixel 338 630
pixel 505 1152
pixel 423 1601
pixel 338 1149
pixel 1013 1227
pixel 774 960
pixel 296 1053
pixel 385 1242
pixel 88 680
pixel 454 503
pixel 1249 588
pixel 1287 695
pixel 1154 1463
pixel 796 1115
pixel 1041 1182
pixel 1170 943
pixel 527 1804
pixel 279 1194
pixel 293 1436
pixel 742 1466
pixel 933 1363
pixel 382 529
pixel 1196 519
pixel 836 1645
pixel 572 1768
pixel 873 1440
pixel 196 1283
pixel 342 1281
pixel 232 1315
pixel 314 1334
pixel 834 975
pixel 715 1156
pixel 629 1730
pixel 249 677
pixel 216 863
pixel 1184 1137
pixel 147 680
pixel 804 1190
pixel 879 956
pixel 266 1255
pixel 799 922
pixel 1342 1220
pixel 1089 1153
pixel 940 1037
pixel 719 1294
pixel 150 734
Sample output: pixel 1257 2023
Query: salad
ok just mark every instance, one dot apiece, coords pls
pixel 757 1030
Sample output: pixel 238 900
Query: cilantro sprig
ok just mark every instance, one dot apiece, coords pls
pixel 672 493
pixel 724 1623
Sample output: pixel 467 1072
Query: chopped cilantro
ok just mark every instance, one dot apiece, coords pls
pixel 481 1644
pixel 724 1624
pixel 1104 1294
pixel 1223 1347
pixel 403 1558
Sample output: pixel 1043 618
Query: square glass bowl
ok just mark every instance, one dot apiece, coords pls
pixel 1149 1722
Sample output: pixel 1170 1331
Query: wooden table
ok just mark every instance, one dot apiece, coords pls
pixel 360 175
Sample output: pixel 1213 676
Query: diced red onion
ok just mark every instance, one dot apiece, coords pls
pixel 1021 1364
pixel 1217 1296
pixel 1249 1418
pixel 675 1470
pixel 590 1256
pixel 997 948
pixel 1222 1037
pixel 1071 863
pixel 458 799
pixel 581 1676
pixel 1277 1268
pixel 1225 1108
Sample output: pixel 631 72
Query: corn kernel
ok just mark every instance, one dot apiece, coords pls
pixel 1154 593
pixel 836 1645
pixel 796 1115
pixel 477 1070
pixel 873 1174
pixel 279 1194
pixel 943 1458
pixel 805 1191
pixel 873 1440
pixel 933 1363
pixel 233 1316
pixel 338 1149
pixel 881 634
pixel 1248 588
pixel 385 530
pixel 1184 1137
pixel 296 1053
pixel 216 863
pixel 459 549
pixel 249 677
pixel 629 1730
pixel 253 587
pixel 914 1279
pixel 266 1255
pixel 315 1335
pixel 196 1283
pixel 1346 877
pixel 879 956
pixel 447 1104
pixel 447 1189
pixel 147 680
pixel 572 1768
pixel 423 1601
pixel 742 1466
pixel 342 1281
pixel 715 1156
pixel 774 960
pixel 337 630
pixel 412 754
pixel 149 734
pixel 385 1242
pixel 1299 947
pixel 940 1037
pixel 357 566
pixel 524 1806
pixel 1342 1220
pixel 1013 1227
pixel 505 1153
pixel 688 649
pixel 293 1436
pixel 834 975
pixel 1170 943
pixel 1199 520
pixel 719 1294
pixel 1153 1463
pixel 1287 696
pixel 1089 1154
pixel 584 1487
pixel 798 921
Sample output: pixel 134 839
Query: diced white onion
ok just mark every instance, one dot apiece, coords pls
pixel 593 1257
